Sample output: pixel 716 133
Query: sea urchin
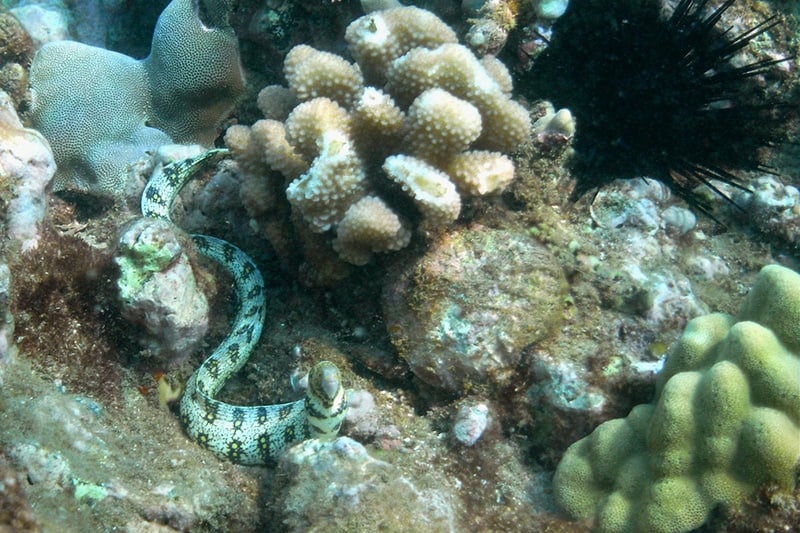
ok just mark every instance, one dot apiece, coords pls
pixel 661 93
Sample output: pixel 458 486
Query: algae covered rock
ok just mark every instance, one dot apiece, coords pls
pixel 726 420
pixel 157 286
pixel 338 486
pixel 15 509
pixel 26 169
pixel 462 313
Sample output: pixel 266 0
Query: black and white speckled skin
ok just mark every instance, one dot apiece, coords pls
pixel 243 434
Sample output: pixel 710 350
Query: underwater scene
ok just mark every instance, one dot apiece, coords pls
pixel 384 266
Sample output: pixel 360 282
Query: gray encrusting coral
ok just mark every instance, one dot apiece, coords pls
pixel 505 331
pixel 101 110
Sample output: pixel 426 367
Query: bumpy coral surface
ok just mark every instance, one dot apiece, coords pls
pixel 726 420
pixel 102 110
pixel 416 108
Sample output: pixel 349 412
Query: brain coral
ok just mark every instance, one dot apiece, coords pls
pixel 101 110
pixel 726 420
pixel 396 140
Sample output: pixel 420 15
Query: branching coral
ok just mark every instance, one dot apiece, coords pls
pixel 402 135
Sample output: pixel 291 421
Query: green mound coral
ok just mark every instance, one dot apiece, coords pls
pixel 101 110
pixel 725 421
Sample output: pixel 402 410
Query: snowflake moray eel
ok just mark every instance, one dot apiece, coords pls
pixel 243 434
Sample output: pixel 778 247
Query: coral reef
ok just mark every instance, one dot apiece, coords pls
pixel 26 168
pixel 437 130
pixel 726 420
pixel 180 92
pixel 634 282
pixel 90 447
pixel 457 327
